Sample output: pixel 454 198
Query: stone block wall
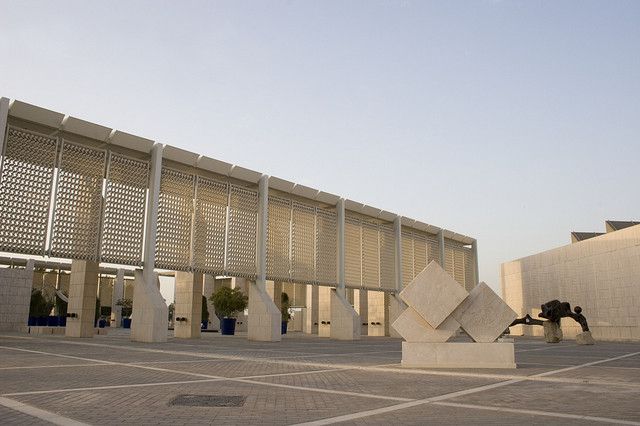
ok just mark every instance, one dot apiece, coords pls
pixel 601 274
pixel 15 297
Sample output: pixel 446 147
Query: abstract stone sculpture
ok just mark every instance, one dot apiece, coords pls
pixel 554 311
pixel 437 307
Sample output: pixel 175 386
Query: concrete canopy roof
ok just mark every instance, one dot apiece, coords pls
pixel 36 114
pixel 58 120
pixel 86 128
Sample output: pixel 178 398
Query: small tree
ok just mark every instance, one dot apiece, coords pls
pixel 285 304
pixel 40 306
pixel 205 309
pixel 171 309
pixel 127 306
pixel 228 302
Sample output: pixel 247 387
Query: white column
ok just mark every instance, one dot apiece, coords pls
pixel 396 305
pixel 150 315
pixel 118 293
pixel 345 322
pixel 4 114
pixel 149 258
pixel 264 316
pixel 441 245
pixel 397 230
pixel 474 248
pixel 341 253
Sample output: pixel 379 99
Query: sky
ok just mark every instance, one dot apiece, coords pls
pixel 514 122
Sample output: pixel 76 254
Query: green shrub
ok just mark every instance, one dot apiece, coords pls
pixel 127 306
pixel 40 306
pixel 285 304
pixel 228 302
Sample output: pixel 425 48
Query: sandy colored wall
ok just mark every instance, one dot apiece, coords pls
pixel 601 274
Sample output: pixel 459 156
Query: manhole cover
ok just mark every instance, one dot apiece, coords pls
pixel 209 400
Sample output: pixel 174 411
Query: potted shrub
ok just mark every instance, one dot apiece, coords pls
pixel 39 308
pixel 285 304
pixel 227 303
pixel 127 305
pixel 205 314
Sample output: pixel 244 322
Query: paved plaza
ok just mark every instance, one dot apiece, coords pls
pixel 306 380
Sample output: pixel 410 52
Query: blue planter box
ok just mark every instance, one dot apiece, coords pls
pixel 126 322
pixel 228 326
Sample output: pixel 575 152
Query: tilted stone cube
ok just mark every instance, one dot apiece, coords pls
pixel 484 315
pixel 413 328
pixel 433 294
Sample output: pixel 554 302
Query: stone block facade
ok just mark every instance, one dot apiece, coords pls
pixel 15 292
pixel 600 274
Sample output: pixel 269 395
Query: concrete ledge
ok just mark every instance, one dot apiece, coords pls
pixel 458 355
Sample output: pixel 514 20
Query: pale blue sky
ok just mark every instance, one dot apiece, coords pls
pixel 514 122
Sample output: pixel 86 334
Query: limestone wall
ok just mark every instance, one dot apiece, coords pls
pixel 601 274
pixel 15 294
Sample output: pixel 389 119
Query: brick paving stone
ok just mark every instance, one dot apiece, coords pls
pixel 12 417
pixel 297 361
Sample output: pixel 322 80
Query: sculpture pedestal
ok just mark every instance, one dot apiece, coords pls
pixel 458 355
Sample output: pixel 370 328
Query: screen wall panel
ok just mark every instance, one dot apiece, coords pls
pixel 326 246
pixel 175 216
pixel 387 257
pixel 25 191
pixel 242 232
pixel 353 252
pixel 78 202
pixel 303 243
pixel 210 223
pixel 124 210
pixel 370 255
pixel 278 239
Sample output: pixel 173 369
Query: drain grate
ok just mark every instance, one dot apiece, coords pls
pixel 208 400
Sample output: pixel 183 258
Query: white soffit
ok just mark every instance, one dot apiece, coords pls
pixel 215 166
pixel 281 184
pixel 371 211
pixel 179 155
pixel 388 216
pixel 305 191
pixel 246 175
pixel 327 198
pixel 36 114
pixel 86 128
pixel 420 226
pixel 449 234
pixel 353 206
pixel 432 229
pixel 407 221
pixel 131 141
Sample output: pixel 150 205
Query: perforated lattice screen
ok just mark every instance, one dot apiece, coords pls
pixel 419 252
pixel 326 246
pixel 241 235
pixel 25 191
pixel 370 255
pixel 469 268
pixel 387 257
pixel 124 209
pixel 433 248
pixel 352 252
pixel 210 225
pixel 78 202
pixel 303 243
pixel 175 213
pixel 407 256
pixel 454 260
pixel 278 239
